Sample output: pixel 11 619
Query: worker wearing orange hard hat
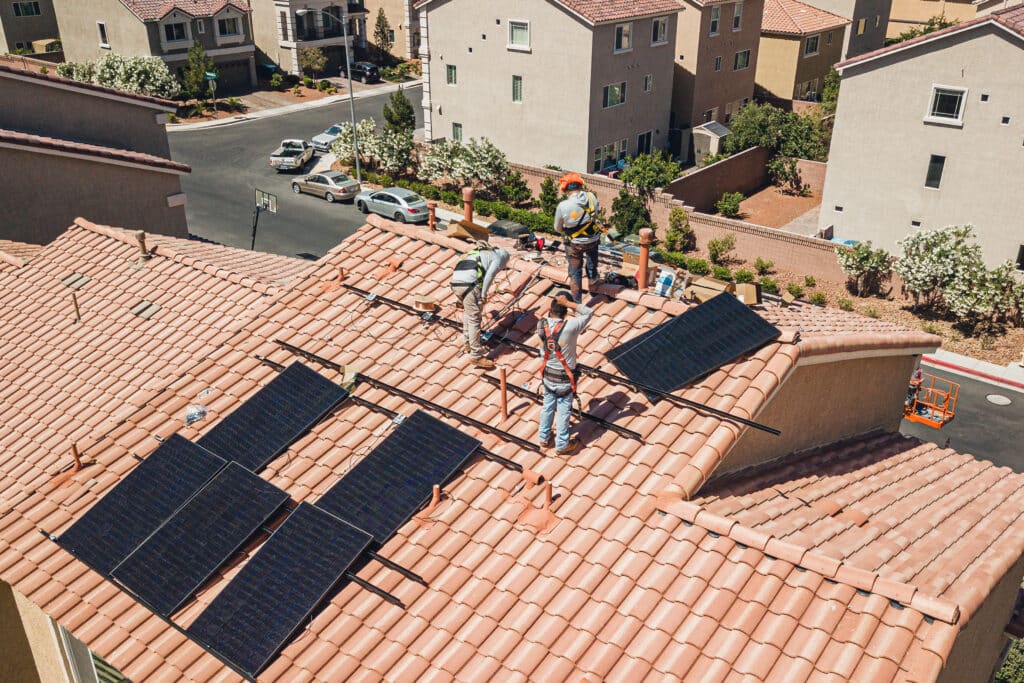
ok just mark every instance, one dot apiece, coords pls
pixel 576 218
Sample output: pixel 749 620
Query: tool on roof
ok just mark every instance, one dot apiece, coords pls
pixel 931 400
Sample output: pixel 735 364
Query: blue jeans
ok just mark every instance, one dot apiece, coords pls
pixel 562 405
pixel 577 255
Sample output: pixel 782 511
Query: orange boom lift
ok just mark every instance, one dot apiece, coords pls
pixel 930 400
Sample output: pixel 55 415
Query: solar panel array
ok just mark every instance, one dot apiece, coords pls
pixel 693 344
pixel 396 478
pixel 264 426
pixel 140 503
pixel 279 588
pixel 189 547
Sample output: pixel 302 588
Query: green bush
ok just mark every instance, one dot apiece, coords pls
pixel 729 204
pixel 431 192
pixel 297 90
pixel 743 275
pixel 809 281
pixel 629 213
pixel 501 210
pixel 234 104
pixel 673 258
pixel 721 273
pixel 769 285
pixel 514 190
pixel 818 298
pixel 679 235
pixel 931 328
pixel 845 304
pixel 1012 670
pixel 720 249
pixel 307 81
pixel 698 266
pixel 323 86
pixel 385 180
pixel 795 289
pixel 763 266
pixel 172 118
pixel 451 197
pixel 548 197
pixel 872 312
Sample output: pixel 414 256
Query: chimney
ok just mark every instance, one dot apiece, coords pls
pixel 144 254
pixel 468 193
pixel 646 240
pixel 432 214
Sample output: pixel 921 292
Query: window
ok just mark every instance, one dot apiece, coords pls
pixel 174 32
pixel 228 27
pixel 737 14
pixel 828 38
pixel 718 63
pixel 623 37
pixel 452 73
pixel 716 15
pixel 709 115
pixel 860 26
pixel 1005 121
pixel 200 26
pixel 811 45
pixel 519 34
pixel 741 60
pixel 26 9
pixel 1020 258
pixel 878 20
pixel 947 105
pixel 659 31
pixel 649 82
pixel 102 28
pixel 597 160
pixel 614 95
pixel 643 143
pixel 728 112
pixel 935 166
pixel 457 132
pixel 284 25
pixel 517 88
pixel 915 224
pixel 622 149
pixel 837 208
pixel 391 36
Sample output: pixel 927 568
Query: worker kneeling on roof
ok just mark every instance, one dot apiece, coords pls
pixel 576 218
pixel 471 280
pixel 559 337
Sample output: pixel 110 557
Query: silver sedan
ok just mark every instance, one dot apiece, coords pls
pixel 396 203
pixel 331 185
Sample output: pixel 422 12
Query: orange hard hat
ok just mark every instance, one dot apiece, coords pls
pixel 567 182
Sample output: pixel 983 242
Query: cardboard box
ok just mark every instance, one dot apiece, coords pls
pixel 712 283
pixel 749 293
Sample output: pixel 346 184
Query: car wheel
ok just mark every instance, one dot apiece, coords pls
pixel 364 80
pixel 362 207
pixel 399 216
pixel 329 197
pixel 296 189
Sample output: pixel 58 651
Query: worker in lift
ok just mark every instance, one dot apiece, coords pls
pixel 471 281
pixel 559 335
pixel 576 218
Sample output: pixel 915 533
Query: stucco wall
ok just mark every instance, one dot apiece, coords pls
pixel 906 14
pixel 817 66
pixel 26 29
pixel 45 193
pixel 745 172
pixel 776 65
pixel 401 17
pixel 126 35
pixel 820 404
pixel 27 641
pixel 878 166
pixel 854 10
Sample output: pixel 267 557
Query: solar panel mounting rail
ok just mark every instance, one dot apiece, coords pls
pixel 497 339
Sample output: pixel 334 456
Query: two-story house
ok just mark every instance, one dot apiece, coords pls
pixel 575 83
pixel 139 28
pixel 715 63
pixel 928 133
pixel 25 21
pixel 283 27
pixel 799 45
pixel 869 21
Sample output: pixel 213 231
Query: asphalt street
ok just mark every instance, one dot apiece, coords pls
pixel 230 162
pixel 980 428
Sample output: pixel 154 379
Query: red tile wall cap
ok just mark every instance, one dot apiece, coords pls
pixel 937 608
pixel 869 341
pixel 12 260
pixel 54 78
pixel 71 146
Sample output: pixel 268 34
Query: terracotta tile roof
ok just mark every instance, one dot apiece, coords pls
pixel 16 254
pixel 16 66
pixel 148 10
pixel 1011 18
pixel 12 137
pixel 604 11
pixel 791 17
pixel 613 590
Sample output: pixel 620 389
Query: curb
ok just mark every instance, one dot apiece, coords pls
pixel 290 108
pixel 970 372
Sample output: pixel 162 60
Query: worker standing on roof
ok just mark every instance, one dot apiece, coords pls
pixel 576 218
pixel 471 280
pixel 559 337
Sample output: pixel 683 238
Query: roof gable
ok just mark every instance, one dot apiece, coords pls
pixel 791 17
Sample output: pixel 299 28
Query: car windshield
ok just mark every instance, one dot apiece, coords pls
pixel 336 177
pixel 333 130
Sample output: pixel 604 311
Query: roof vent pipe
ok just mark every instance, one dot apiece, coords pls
pixel 468 193
pixel 144 254
pixel 646 240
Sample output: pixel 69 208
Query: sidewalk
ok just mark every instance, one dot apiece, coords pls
pixel 298 106
pixel 1009 376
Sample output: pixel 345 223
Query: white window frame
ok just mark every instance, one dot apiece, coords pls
pixel 517 46
pixel 663 23
pixel 180 42
pixel 200 27
pixel 451 74
pixel 623 29
pixel 101 29
pixel 516 77
pixel 807 45
pixel 737 16
pixel 648 83
pixel 735 60
pixel 716 20
pixel 604 95
pixel 456 131
pixel 957 122
pixel 19 6
pixel 718 63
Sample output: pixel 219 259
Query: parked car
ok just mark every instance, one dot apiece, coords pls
pixel 396 203
pixel 323 141
pixel 367 72
pixel 331 185
pixel 292 155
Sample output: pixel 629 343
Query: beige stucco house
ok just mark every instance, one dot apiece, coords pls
pixel 715 61
pixel 799 45
pixel 574 83
pixel 283 27
pixel 869 20
pixel 25 21
pixel 928 133
pixel 403 24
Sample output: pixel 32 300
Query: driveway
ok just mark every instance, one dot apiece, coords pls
pixel 230 162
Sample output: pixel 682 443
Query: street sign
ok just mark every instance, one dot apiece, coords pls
pixel 211 76
pixel 266 201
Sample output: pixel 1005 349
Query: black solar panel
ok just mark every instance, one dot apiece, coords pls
pixel 189 547
pixel 693 344
pixel 279 588
pixel 264 426
pixel 396 478
pixel 140 503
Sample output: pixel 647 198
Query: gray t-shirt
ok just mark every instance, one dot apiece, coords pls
pixel 571 214
pixel 491 261
pixel 567 337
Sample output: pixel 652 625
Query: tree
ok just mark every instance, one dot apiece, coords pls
pixel 343 147
pixel 480 162
pixel 932 259
pixel 548 196
pixel 785 173
pixel 398 112
pixel 978 293
pixel 193 80
pixel 830 93
pixel 679 235
pixel 629 213
pixel 142 75
pixel 394 151
pixel 865 266
pixel 934 23
pixel 514 190
pixel 312 59
pixel 781 132
pixel 647 172
pixel 438 162
pixel 78 71
pixel 382 32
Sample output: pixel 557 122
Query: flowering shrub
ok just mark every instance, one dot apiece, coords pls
pixel 140 75
pixel 865 266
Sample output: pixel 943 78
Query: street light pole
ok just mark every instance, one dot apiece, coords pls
pixel 348 72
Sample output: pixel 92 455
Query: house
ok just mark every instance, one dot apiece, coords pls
pixel 58 142
pixel 574 83
pixel 24 22
pixel 716 59
pixel 283 27
pixel 868 23
pixel 799 45
pixel 403 22
pixel 950 138
pixel 910 14
pixel 677 545
pixel 141 28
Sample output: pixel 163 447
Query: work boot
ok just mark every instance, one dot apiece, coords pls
pixel 571 447
pixel 466 349
pixel 485 363
pixel 548 442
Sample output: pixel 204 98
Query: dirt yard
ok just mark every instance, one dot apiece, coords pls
pixel 773 209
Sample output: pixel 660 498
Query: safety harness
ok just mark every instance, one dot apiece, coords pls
pixel 471 261
pixel 587 228
pixel 551 345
